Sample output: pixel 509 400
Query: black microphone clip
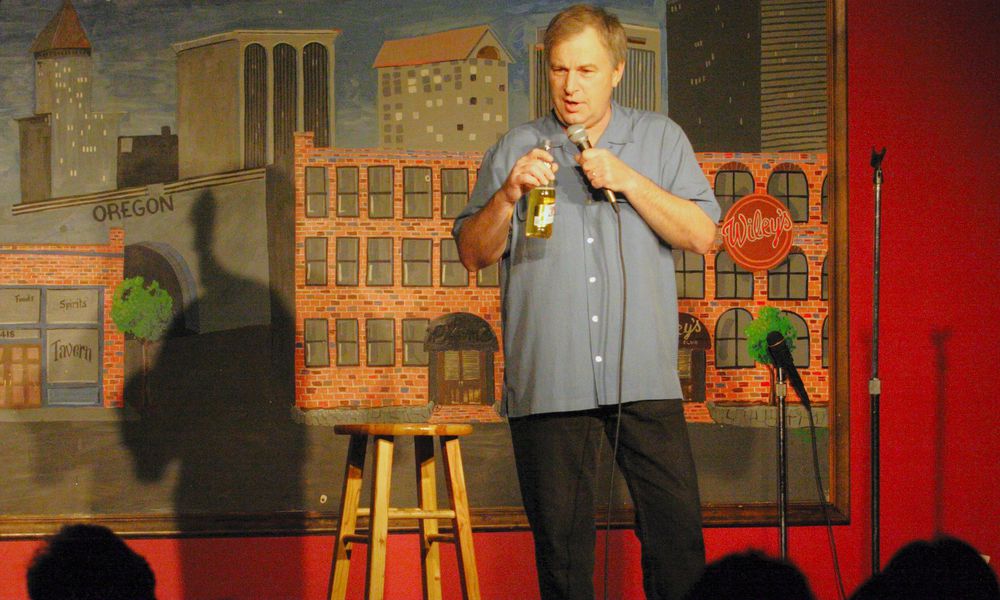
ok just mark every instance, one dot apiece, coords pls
pixel 782 358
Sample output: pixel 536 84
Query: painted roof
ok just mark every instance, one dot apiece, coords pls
pixel 64 32
pixel 443 46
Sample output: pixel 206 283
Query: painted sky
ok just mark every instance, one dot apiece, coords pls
pixel 135 69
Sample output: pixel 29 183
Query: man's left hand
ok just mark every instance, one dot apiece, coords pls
pixel 605 170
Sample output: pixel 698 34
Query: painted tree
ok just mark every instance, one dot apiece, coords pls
pixel 768 319
pixel 144 312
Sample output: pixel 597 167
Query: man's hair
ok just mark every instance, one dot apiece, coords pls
pixel 579 17
pixel 750 575
pixel 89 562
pixel 944 567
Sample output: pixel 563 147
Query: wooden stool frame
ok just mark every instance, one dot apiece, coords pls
pixel 426 513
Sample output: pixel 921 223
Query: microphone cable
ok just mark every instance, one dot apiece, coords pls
pixel 618 416
pixel 782 359
pixel 823 505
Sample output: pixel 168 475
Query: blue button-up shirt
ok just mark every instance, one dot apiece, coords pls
pixel 561 298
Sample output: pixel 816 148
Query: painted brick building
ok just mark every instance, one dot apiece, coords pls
pixel 58 345
pixel 797 286
pixel 377 273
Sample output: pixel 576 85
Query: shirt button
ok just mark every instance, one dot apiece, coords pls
pixel 594 318
pixel 598 358
pixel 592 279
pixel 590 240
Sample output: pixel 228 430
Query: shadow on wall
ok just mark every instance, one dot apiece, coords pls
pixel 218 409
pixel 940 338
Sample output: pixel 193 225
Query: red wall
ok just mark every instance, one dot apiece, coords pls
pixel 922 81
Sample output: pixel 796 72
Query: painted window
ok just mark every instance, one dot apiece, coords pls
pixel 730 186
pixel 824 290
pixel 317 343
pixel 255 101
pixel 416 192
pixel 347 342
pixel 790 279
pixel 731 340
pixel 453 273
pixel 316 261
pixel 379 261
pixel 800 354
pixel 689 271
pixel 316 84
pixel 381 339
pixel 731 280
pixel 489 276
pixel 380 192
pixel 316 192
pixel 792 188
pixel 347 260
pixel 347 191
pixel 454 191
pixel 825 343
pixel 414 335
pixel 824 198
pixel 417 262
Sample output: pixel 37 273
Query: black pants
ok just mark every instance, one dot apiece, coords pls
pixel 556 456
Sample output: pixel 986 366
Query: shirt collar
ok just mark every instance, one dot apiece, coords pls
pixel 618 132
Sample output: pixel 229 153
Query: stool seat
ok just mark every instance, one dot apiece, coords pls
pixel 426 513
pixel 432 429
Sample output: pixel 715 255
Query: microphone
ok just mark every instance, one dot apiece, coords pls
pixel 782 357
pixel 578 135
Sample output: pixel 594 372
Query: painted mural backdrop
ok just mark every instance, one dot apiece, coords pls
pixel 287 172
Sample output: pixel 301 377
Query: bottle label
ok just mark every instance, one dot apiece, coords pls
pixel 546 215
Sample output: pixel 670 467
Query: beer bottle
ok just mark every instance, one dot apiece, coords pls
pixel 541 206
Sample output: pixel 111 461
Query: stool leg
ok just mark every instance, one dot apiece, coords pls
pixel 378 525
pixel 463 524
pixel 430 553
pixel 348 515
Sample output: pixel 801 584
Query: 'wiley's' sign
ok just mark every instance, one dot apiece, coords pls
pixel 757 232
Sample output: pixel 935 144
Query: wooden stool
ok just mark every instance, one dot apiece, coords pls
pixel 427 513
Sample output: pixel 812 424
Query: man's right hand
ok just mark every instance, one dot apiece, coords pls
pixel 534 169
pixel 484 234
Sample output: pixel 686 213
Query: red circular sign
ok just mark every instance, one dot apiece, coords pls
pixel 757 232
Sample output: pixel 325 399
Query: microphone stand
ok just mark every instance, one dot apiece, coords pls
pixel 780 391
pixel 874 384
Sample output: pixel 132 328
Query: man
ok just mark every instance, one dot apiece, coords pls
pixel 563 310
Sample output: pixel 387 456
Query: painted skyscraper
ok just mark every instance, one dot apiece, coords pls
pixel 793 75
pixel 242 94
pixel 66 147
pixel 748 75
pixel 443 91
pixel 713 73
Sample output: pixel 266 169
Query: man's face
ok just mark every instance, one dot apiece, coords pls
pixel 581 77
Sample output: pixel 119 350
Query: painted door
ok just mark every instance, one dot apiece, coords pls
pixel 20 376
pixel 462 382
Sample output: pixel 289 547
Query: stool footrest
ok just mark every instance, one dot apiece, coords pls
pixel 412 513
pixel 355 538
pixel 358 538
pixel 444 538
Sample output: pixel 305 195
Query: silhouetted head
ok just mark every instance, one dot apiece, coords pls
pixel 945 567
pixel 89 562
pixel 750 576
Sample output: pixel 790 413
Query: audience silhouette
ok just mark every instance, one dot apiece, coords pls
pixel 750 576
pixel 89 562
pixel 943 568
